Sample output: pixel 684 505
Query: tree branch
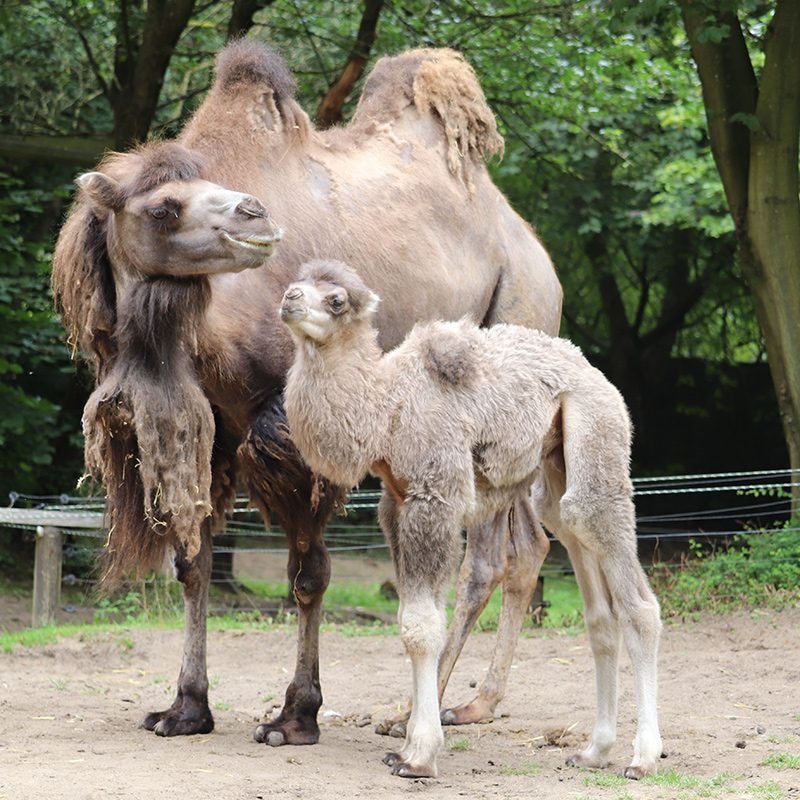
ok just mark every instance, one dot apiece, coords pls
pixel 242 13
pixel 330 109
pixel 92 61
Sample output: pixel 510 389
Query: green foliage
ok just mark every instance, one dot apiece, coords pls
pixel 759 568
pixel 782 761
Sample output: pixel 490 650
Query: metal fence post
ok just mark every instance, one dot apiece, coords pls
pixel 46 576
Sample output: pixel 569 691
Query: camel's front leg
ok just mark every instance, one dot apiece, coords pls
pixel 422 534
pixel 190 712
pixel 527 546
pixel 482 568
pixel 309 573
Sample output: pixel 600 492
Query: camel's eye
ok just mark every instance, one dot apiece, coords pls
pixel 337 303
pixel 168 210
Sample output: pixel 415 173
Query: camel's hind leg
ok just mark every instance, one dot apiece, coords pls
pixel 525 546
pixel 190 712
pixel 594 516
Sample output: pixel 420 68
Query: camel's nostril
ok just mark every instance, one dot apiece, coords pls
pixel 252 208
pixel 293 294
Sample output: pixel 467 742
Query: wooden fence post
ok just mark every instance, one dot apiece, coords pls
pixel 46 576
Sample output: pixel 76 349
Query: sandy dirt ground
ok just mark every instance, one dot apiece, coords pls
pixel 69 714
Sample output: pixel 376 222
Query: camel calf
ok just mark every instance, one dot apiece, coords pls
pixel 458 422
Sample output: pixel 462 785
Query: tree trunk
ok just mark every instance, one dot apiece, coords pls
pixel 242 13
pixel 330 109
pixel 141 59
pixel 755 135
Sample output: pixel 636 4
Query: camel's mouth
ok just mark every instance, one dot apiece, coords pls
pixel 262 244
pixel 292 313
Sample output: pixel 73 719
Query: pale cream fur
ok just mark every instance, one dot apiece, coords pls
pixel 459 421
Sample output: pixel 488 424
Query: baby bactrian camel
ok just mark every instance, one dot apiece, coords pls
pixel 458 421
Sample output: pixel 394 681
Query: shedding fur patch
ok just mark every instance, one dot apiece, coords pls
pixel 246 62
pixel 451 355
pixel 446 84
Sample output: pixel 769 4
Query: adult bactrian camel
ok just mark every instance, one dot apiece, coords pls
pixel 458 422
pixel 153 272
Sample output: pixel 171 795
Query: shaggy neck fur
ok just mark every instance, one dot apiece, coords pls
pixel 150 414
pixel 336 403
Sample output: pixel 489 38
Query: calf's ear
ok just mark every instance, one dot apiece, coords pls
pixel 371 304
pixel 103 192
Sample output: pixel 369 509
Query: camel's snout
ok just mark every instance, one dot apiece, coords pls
pixel 251 207
pixel 292 306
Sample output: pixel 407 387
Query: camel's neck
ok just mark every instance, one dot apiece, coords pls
pixel 158 321
pixel 336 403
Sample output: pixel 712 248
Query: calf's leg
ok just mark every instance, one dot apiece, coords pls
pixel 422 534
pixel 525 546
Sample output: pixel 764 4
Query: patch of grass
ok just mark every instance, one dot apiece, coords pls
pixel 782 739
pixel 605 780
pixel 782 761
pixel 58 683
pixel 126 643
pixel 265 698
pixel 458 744
pixel 673 779
pixel 529 769
pixel 767 791
pixel 677 780
pixel 221 705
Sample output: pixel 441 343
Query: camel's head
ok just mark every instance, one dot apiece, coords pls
pixel 163 219
pixel 327 297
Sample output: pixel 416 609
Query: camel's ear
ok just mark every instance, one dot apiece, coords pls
pixel 103 192
pixel 371 304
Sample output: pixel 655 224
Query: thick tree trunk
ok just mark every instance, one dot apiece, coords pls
pixel 755 133
pixel 141 59
pixel 773 216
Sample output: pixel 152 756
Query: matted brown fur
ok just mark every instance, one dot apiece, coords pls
pixel 150 417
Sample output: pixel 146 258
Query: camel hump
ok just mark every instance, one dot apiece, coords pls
pixel 450 352
pixel 439 81
pixel 245 62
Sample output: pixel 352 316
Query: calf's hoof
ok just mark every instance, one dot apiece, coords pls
pixel 405 770
pixel 468 714
pixel 636 773
pixel 390 727
pixel 586 761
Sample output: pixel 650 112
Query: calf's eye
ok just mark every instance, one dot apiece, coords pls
pixel 158 213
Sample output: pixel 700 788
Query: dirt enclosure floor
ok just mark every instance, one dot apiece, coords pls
pixel 729 704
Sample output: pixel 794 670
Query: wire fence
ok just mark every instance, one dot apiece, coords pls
pixel 671 511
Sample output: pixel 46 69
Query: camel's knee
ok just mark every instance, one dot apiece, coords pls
pixel 422 624
pixel 603 630
pixel 309 571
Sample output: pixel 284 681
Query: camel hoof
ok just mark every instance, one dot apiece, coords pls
pixel 180 721
pixel 392 727
pixel 405 770
pixel 637 773
pixel 465 715
pixel 580 760
pixel 390 759
pixel 279 733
